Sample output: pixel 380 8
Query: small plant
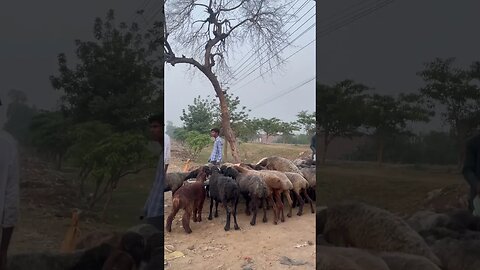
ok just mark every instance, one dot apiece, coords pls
pixel 196 142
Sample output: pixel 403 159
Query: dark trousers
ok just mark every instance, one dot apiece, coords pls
pixel 472 181
pixel 313 150
pixel 157 222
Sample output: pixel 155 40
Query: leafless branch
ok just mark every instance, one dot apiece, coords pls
pixel 227 26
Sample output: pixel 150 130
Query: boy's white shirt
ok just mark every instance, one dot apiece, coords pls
pixel 9 180
pixel 166 149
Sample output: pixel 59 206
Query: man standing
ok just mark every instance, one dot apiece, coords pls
pixel 167 151
pixel 471 167
pixel 9 192
pixel 313 146
pixel 154 206
pixel 216 156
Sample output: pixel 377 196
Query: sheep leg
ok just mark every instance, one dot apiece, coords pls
pixel 308 200
pixel 235 215
pixel 279 203
pixel 171 217
pixel 247 203
pixel 254 209
pixel 301 203
pixel 264 206
pixel 216 208
pixel 211 206
pixel 186 219
pixel 294 199
pixel 275 210
pixel 289 201
pixel 227 225
pixel 195 207
pixel 199 209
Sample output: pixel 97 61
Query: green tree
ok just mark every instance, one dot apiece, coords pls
pixel 389 116
pixel 112 159
pixel 287 129
pixel 180 134
pixel 210 37
pixel 85 137
pixel 270 127
pixel 307 121
pixel 339 110
pixel 248 130
pixel 198 116
pixel 118 77
pixel 457 92
pixel 170 128
pixel 50 133
pixel 196 142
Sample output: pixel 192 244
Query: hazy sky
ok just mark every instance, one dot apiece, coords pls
pixel 181 88
pixel 33 33
pixel 385 49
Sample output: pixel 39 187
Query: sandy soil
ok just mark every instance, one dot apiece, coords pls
pixel 261 246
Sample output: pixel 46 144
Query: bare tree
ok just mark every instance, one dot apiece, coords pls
pixel 210 31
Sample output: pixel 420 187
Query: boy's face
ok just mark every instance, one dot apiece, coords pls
pixel 157 131
pixel 213 134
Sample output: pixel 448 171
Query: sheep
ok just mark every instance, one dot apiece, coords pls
pixel 278 183
pixel 458 254
pixel 253 189
pixel 363 226
pixel 224 189
pixel 129 253
pixel 279 164
pixel 190 198
pixel 341 258
pixel 300 185
pixel 311 175
pixel 58 261
pixel 174 180
pixel 402 261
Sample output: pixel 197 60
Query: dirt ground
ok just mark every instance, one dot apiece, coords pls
pixel 261 246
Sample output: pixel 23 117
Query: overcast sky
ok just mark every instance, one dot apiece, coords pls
pixel 181 88
pixel 385 49
pixel 34 32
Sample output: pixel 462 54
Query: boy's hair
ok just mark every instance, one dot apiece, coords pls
pixel 155 118
pixel 215 130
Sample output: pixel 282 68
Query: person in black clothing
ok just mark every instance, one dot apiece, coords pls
pixel 313 144
pixel 471 167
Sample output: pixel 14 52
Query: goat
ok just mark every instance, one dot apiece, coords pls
pixel 190 198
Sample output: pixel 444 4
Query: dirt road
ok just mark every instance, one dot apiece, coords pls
pixel 252 247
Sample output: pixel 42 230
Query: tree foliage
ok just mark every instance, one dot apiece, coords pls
pixel 389 116
pixel 19 116
pixel 196 142
pixel 198 116
pixel 118 78
pixel 307 121
pixel 339 110
pixel 455 92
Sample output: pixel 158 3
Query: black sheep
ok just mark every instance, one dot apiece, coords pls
pixel 225 190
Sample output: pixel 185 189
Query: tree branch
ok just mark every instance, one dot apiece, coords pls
pixel 233 8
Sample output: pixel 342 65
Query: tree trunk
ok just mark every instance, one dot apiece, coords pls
pixel 380 149
pixel 107 203
pixel 227 129
pixel 226 151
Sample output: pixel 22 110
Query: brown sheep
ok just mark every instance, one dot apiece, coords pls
pixel 190 198
pixel 310 173
pixel 300 185
pixel 279 164
pixel 277 183
pixel 363 226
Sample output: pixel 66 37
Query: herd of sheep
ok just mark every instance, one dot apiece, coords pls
pixel 357 236
pixel 267 183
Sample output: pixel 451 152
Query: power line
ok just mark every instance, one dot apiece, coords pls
pixel 289 19
pixel 284 93
pixel 271 68
pixel 346 21
pixel 252 55
pixel 260 65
